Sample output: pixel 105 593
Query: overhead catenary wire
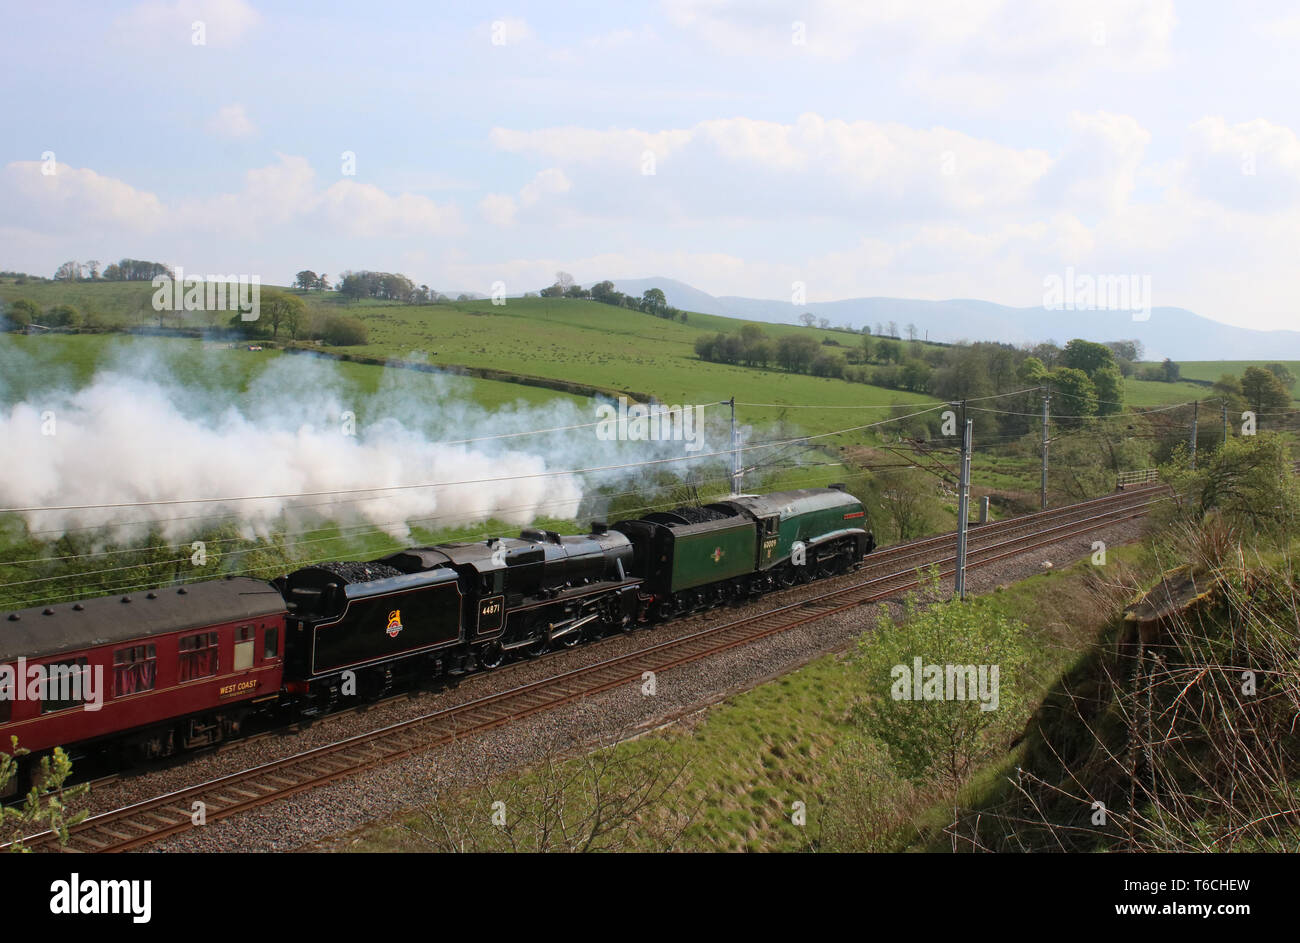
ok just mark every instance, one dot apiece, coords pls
pixel 132 587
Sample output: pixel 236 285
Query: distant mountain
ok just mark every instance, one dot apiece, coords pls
pixel 1169 332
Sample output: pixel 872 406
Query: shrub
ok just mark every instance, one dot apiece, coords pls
pixel 340 331
pixel 942 739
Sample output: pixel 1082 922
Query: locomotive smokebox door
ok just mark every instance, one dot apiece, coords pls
pixel 490 613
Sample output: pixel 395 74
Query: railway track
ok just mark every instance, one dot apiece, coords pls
pixel 884 574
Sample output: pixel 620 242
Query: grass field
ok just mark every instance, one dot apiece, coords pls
pixel 68 361
pixel 1213 369
pixel 1151 393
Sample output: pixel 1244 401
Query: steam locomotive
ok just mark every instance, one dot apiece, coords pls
pixel 179 668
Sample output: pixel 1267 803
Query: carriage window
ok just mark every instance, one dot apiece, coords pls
pixel 65 685
pixel 271 643
pixel 245 640
pixel 8 692
pixel 134 669
pixel 198 656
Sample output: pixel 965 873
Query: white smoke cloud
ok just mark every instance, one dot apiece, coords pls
pixel 135 435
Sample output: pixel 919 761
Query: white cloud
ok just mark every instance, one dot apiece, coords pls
pixel 1097 171
pixel 72 199
pixel 498 209
pixel 284 193
pixel 231 121
pixel 745 168
pixel 362 209
pixel 501 209
pixel 1252 166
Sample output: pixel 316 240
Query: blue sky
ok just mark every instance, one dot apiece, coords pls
pixel 928 150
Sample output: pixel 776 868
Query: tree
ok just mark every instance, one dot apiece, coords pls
pixel 889 351
pixel 1031 371
pixel 807 319
pixel 552 291
pixel 949 729
pixel 92 267
pixel 1248 482
pixel 911 332
pixel 564 280
pixel 306 279
pixel 1263 390
pixel 1079 396
pixel 295 317
pixel 343 331
pixel 653 299
pixel 828 363
pixel 866 346
pixel 1127 354
pixel 63 316
pixel 68 272
pixel 1228 388
pixel 604 293
pixel 47 806
pixel 353 286
pixel 1284 376
pixel 1110 391
pixel 1172 371
pixel 1087 356
pixel 906 501
pixel 279 308
pixel 796 352
pixel 21 313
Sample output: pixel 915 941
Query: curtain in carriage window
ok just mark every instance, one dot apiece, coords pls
pixel 198 656
pixel 135 669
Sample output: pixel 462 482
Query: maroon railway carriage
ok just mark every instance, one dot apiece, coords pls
pixel 179 667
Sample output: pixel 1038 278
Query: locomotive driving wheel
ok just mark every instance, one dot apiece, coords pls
pixel 492 656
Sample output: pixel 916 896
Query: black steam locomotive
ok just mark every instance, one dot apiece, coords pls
pixel 178 668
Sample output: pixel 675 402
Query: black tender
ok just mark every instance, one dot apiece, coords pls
pixel 77 626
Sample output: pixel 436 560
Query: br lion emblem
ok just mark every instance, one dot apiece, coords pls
pixel 394 623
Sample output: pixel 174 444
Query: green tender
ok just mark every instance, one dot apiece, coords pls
pixel 712 553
